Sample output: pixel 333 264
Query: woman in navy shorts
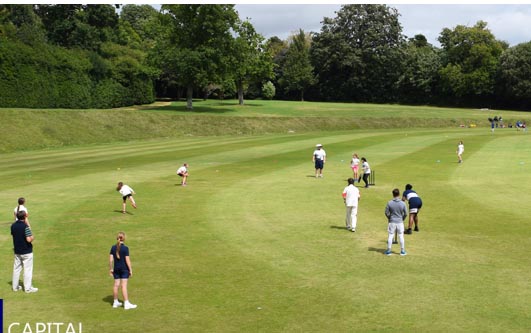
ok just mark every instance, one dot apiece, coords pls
pixel 121 270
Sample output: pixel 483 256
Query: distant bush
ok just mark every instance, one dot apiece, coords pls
pixel 268 90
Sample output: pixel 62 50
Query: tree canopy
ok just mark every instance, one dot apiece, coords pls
pixel 357 55
pixel 94 55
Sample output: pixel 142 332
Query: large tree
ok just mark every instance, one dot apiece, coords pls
pixel 19 22
pixel 142 21
pixel 81 26
pixel 278 49
pixel 251 62
pixel 197 48
pixel 418 80
pixel 514 77
pixel 357 55
pixel 471 56
pixel 297 68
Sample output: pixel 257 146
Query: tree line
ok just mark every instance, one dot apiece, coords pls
pixel 99 56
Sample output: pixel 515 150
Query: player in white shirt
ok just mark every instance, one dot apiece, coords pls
pixel 126 192
pixel 319 158
pixel 351 196
pixel 183 172
pixel 460 151
pixel 21 208
pixel 366 171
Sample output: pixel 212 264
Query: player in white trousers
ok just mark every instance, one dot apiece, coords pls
pixel 351 197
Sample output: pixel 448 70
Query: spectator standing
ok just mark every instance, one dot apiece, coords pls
pixel 396 213
pixel 351 197
pixel 23 248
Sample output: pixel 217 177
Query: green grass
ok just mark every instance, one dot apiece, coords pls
pixel 256 244
pixel 28 129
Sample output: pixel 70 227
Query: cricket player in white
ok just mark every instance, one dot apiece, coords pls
pixel 319 158
pixel 183 172
pixel 460 151
pixel 126 192
pixel 396 213
pixel 351 196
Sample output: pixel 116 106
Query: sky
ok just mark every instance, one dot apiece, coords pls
pixel 510 23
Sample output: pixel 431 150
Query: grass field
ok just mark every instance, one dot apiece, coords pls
pixel 29 129
pixel 256 244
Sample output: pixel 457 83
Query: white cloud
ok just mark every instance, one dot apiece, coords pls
pixel 283 20
pixel 507 22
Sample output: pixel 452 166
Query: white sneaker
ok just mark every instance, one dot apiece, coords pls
pixel 117 304
pixel 17 288
pixel 128 306
pixel 32 290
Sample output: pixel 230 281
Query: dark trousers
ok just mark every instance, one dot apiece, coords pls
pixel 366 178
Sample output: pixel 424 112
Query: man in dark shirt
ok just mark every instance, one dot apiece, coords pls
pixel 22 239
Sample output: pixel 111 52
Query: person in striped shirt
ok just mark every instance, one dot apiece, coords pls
pixel 23 248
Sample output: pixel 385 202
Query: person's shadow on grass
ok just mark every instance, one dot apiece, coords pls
pixel 337 227
pixel 374 249
pixel 108 299
pixel 119 211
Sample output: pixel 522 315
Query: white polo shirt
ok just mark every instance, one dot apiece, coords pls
pixel 366 167
pixel 182 170
pixel 351 195
pixel 319 154
pixel 125 190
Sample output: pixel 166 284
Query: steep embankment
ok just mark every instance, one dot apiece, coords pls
pixel 26 129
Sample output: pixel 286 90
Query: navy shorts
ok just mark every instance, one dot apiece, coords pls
pixel 415 204
pixel 126 196
pixel 121 274
pixel 319 164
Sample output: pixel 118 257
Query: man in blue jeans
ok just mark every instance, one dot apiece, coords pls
pixel 23 247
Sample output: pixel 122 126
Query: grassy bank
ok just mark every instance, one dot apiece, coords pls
pixel 29 129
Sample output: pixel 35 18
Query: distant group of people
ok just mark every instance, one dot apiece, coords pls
pixel 495 122
pixel 521 125
pixel 498 122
